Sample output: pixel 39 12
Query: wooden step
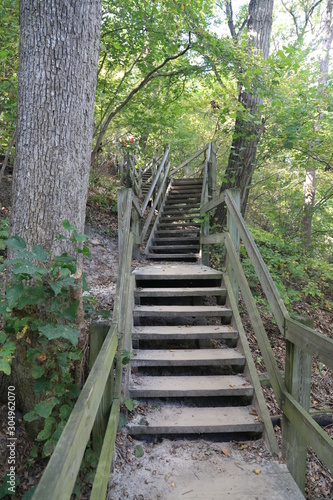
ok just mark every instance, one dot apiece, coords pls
pixel 176 200
pixel 189 386
pixel 186 180
pixel 184 420
pixel 197 332
pixel 175 248
pixel 178 256
pixel 180 210
pixel 175 311
pixel 188 357
pixel 185 206
pixel 180 224
pixel 170 240
pixel 204 291
pixel 175 218
pixel 184 233
pixel 176 272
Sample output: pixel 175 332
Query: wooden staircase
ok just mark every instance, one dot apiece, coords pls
pixel 146 181
pixel 182 364
pixel 177 232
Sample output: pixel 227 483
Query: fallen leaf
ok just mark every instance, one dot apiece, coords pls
pixel 138 451
pixel 257 471
pixel 226 452
pixel 253 412
pixel 173 484
pixel 231 385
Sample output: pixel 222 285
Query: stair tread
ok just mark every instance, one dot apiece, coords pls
pixel 176 271
pixel 182 310
pixel 187 357
pixel 180 420
pixel 182 385
pixel 166 256
pixel 180 292
pixel 185 332
pixel 175 247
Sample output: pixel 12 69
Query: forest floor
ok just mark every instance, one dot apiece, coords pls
pixel 200 454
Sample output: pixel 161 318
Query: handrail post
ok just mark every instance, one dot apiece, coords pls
pixel 234 235
pixel 128 176
pixel 298 383
pixel 212 172
pixel 136 231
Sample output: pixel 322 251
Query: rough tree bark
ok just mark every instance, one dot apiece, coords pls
pixel 309 188
pixel 247 133
pixel 58 57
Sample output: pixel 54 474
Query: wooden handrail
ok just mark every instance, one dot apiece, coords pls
pixel 153 184
pixel 157 199
pixel 60 475
pixel 195 155
pixel 299 429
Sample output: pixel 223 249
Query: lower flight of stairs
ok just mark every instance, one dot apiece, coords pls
pixel 185 364
pixel 177 234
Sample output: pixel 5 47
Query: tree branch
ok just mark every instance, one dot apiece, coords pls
pixel 103 127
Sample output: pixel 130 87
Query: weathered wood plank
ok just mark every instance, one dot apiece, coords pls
pixel 153 184
pixel 102 476
pixel 182 420
pixel 60 474
pixel 97 334
pixel 195 155
pixel 263 342
pixel 314 343
pixel 251 373
pixel 213 239
pixel 298 383
pixel 187 357
pixel 156 200
pixel 213 203
pixel 234 235
pixel 277 306
pixel 316 437
pixel 179 386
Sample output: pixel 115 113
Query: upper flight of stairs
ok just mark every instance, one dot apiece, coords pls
pixel 145 187
pixel 185 363
pixel 177 234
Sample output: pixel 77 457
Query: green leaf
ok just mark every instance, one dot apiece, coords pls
pixel 49 447
pixel 16 242
pixel 39 253
pixel 138 451
pixel 34 296
pixel 37 371
pixel 65 411
pixel 3 337
pixel 80 237
pixel 71 311
pixel 86 251
pixel 31 416
pixel 5 367
pixel 67 225
pixel 56 287
pixel 47 431
pixel 41 385
pixel 14 293
pixel 44 408
pixel 60 331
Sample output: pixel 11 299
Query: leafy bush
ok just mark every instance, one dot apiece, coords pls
pixel 38 311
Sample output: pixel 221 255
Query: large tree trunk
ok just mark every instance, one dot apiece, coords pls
pixel 247 133
pixel 309 187
pixel 58 56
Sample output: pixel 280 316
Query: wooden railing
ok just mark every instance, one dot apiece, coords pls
pixel 292 392
pixel 60 475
